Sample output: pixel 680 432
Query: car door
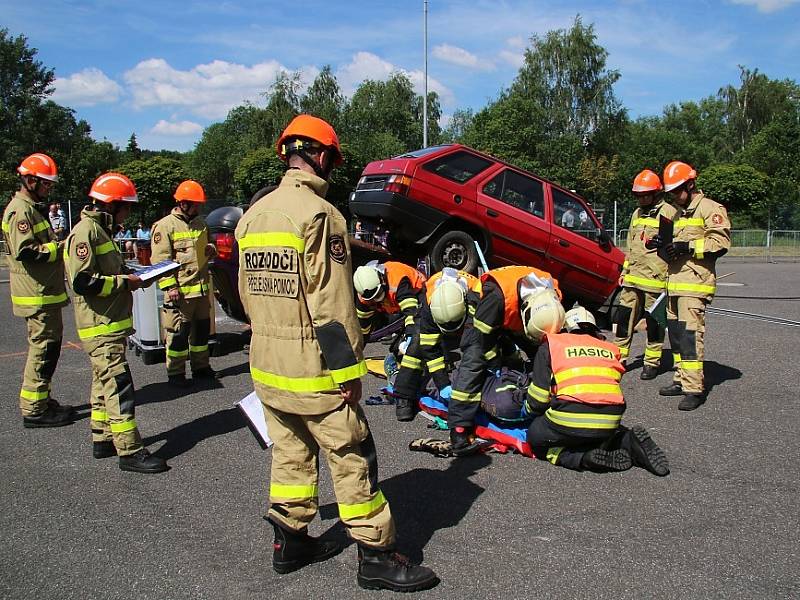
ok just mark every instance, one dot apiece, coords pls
pixel 512 205
pixel 584 265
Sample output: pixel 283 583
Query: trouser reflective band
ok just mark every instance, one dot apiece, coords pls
pixel 553 453
pixel 99 415
pixel 650 353
pixel 676 357
pixel 198 348
pixel 624 352
pixel 177 353
pixel 583 420
pixel 293 492
pixel 466 397
pixel 29 395
pixel 692 365
pixel 124 426
pixel 38 300
pixel 362 509
pixel 409 362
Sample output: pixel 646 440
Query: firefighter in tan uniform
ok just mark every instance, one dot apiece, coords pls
pixel 103 317
pixel 644 274
pixel 182 236
pixel 306 362
pixel 37 289
pixel 701 236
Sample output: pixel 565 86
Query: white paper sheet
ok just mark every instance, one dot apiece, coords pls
pixel 252 408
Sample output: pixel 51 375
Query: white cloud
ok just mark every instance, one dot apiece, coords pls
pixel 208 90
pixel 517 42
pixel 459 56
pixel 86 88
pixel 171 128
pixel 515 59
pixel 366 65
pixel 767 6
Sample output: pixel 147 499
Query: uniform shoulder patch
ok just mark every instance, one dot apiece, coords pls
pixel 716 218
pixel 82 251
pixel 157 237
pixel 24 226
pixel 337 249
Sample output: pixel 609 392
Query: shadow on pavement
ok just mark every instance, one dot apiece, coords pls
pixel 715 374
pixel 184 437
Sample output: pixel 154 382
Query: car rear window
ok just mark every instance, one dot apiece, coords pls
pixel 459 166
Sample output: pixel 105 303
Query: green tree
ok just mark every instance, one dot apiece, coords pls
pixel 741 188
pixel 324 98
pixel 156 180
pixel 258 168
pixel 459 123
pixel 132 150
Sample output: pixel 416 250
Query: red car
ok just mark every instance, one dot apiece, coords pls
pixel 440 200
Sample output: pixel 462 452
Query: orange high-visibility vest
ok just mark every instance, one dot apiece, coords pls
pixel 585 369
pixel 470 282
pixel 395 272
pixel 507 278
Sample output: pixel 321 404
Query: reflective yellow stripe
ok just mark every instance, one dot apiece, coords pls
pixel 198 348
pixel 466 397
pixel 38 300
pixel 364 314
pixel 437 364
pixel 482 327
pixel 349 373
pixel 701 288
pixel 99 415
pixel 568 374
pixel 409 362
pixel 177 353
pixel 295 492
pixel 692 365
pixel 91 332
pixel 490 354
pixel 553 453
pixel 699 248
pixel 583 421
pixel 123 427
pixel 408 321
pixel 186 235
pixel 541 395
pixel 676 358
pixel 429 339
pixel 625 265
pixel 692 222
pixel 471 309
pixel 324 383
pixel 648 353
pixel 41 226
pixel 167 282
pixel 366 330
pixel 363 509
pixel 257 240
pixel 52 249
pixel 6 227
pixel 105 248
pixel 646 221
pixel 108 285
pixel 505 388
pixel 409 303
pixel 623 352
pixel 191 289
pixel 29 395
pixel 590 388
pixel 635 280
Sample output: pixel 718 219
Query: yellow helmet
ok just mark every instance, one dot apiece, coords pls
pixel 368 283
pixel 448 305
pixel 578 316
pixel 542 313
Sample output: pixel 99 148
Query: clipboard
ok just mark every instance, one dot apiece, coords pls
pixel 253 411
pixel 158 270
pixel 666 230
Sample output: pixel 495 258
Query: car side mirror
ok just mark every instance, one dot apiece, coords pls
pixel 602 237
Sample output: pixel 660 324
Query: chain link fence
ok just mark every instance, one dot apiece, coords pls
pixel 752 244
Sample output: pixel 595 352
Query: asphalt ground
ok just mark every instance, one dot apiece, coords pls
pixel 723 524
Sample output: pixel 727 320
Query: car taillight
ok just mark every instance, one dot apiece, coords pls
pixel 397 184
pixel 224 243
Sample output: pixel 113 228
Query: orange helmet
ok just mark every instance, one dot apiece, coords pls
pixel 113 187
pixel 39 165
pixel 190 191
pixel 676 174
pixel 307 127
pixel 646 182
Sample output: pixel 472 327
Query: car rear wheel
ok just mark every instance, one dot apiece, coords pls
pixel 455 249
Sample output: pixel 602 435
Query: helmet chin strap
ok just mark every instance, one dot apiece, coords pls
pixel 32 190
pixel 321 172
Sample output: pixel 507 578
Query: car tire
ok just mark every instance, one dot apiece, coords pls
pixel 455 249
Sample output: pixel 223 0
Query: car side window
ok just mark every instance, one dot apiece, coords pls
pixel 570 213
pixel 459 166
pixel 517 190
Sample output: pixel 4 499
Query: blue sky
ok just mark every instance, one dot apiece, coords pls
pixel 165 69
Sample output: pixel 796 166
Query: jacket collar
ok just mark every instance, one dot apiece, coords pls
pixel 296 177
pixel 104 219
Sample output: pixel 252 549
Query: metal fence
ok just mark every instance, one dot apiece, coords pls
pixel 753 244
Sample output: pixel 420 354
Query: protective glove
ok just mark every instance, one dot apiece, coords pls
pixel 446 392
pixel 653 243
pixel 677 249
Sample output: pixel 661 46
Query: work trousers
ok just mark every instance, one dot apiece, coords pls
pixel 633 305
pixel 112 395
pixel 344 438
pixel 188 324
pixel 686 321
pixel 45 331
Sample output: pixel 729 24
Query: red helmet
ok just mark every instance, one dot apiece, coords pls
pixel 39 165
pixel 646 182
pixel 113 187
pixel 676 174
pixel 190 191
pixel 307 127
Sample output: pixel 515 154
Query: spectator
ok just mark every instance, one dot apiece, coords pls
pixel 124 240
pixel 584 220
pixel 143 234
pixel 568 219
pixel 357 234
pixel 58 222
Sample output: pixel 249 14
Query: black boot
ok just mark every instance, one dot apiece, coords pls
pixel 295 549
pixel 691 401
pixel 673 389
pixel 207 373
pixel 404 409
pixel 646 454
pixel 65 408
pixel 178 381
pixel 388 570
pixel 606 460
pixel 143 462
pixel 104 449
pixel 648 372
pixel 51 417
pixel 463 441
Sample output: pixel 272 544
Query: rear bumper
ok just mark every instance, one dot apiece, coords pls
pixel 412 220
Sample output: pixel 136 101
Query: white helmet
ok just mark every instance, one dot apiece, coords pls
pixel 541 314
pixel 578 316
pixel 368 283
pixel 448 305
